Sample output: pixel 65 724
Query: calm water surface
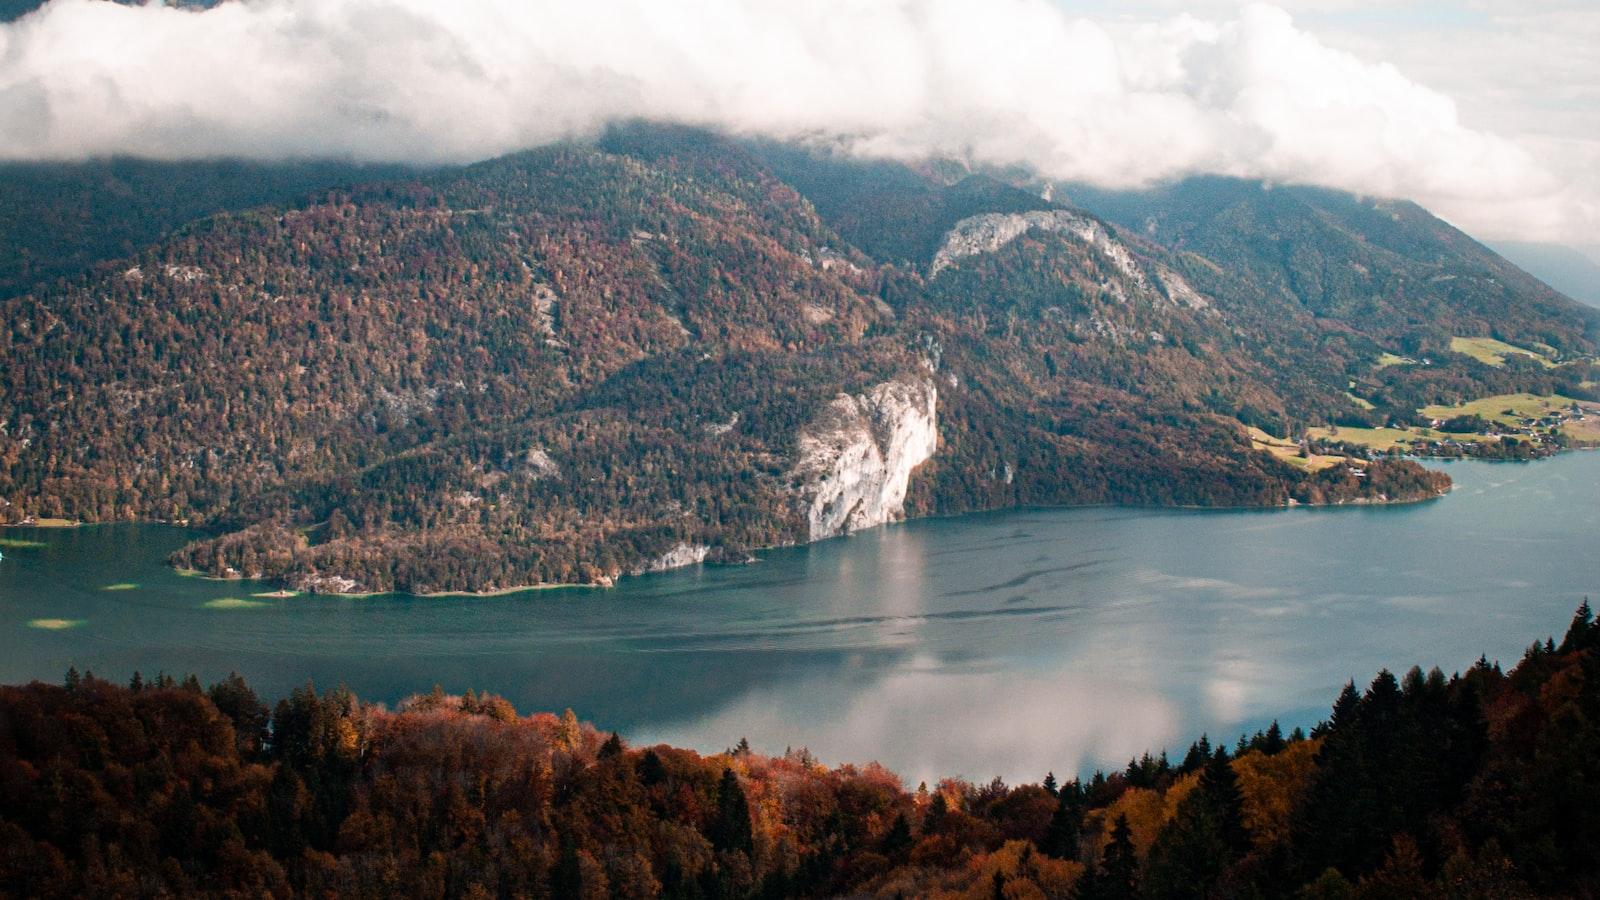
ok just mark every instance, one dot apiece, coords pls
pixel 1008 644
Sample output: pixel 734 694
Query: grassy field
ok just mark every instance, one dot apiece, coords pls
pixel 1506 409
pixel 1521 406
pixel 1289 452
pixel 1364 404
pixel 1385 439
pixel 1390 359
pixel 1492 352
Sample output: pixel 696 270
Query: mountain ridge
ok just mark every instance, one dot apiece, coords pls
pixel 579 362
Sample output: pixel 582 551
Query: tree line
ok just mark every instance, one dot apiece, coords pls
pixel 1477 785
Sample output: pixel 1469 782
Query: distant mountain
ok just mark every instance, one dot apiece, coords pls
pixel 1563 268
pixel 1387 268
pixel 61 218
pixel 581 362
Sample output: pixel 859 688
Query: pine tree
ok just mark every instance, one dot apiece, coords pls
pixel 731 830
pixel 1346 707
pixel 566 879
pixel 651 769
pixel 1581 634
pixel 1066 823
pixel 1220 786
pixel 1199 752
pixel 938 810
pixel 1117 877
pixel 1272 742
pixel 898 838
pixel 1204 839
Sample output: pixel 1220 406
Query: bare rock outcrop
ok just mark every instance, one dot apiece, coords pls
pixel 856 459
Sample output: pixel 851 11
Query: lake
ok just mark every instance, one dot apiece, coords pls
pixel 1010 643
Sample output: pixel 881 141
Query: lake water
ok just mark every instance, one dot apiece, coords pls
pixel 1010 643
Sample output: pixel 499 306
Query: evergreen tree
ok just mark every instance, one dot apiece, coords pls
pixel 234 698
pixel 1066 823
pixel 1219 789
pixel 1205 837
pixel 1272 742
pixel 1344 708
pixel 938 810
pixel 1581 633
pixel 1116 878
pixel 731 829
pixel 651 769
pixel 566 879
pixel 898 838
pixel 1199 753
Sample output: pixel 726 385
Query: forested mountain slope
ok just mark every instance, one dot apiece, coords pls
pixel 1387 268
pixel 1563 268
pixel 583 361
pixel 60 219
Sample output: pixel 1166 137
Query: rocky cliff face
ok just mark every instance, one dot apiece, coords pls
pixel 856 459
pixel 680 556
pixel 989 232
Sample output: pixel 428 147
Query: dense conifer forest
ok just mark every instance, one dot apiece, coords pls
pixel 1483 784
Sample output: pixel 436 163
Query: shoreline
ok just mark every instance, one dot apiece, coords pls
pixel 285 593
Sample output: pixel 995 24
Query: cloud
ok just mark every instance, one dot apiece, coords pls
pixel 929 719
pixel 994 81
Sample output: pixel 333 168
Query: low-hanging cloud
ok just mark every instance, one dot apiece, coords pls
pixel 1005 82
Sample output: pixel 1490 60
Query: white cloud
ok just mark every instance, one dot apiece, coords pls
pixel 997 81
pixel 929 719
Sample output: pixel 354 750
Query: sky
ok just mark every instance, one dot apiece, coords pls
pixel 1525 69
pixel 1487 114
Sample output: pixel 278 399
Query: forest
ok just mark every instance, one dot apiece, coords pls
pixel 559 365
pixel 1481 784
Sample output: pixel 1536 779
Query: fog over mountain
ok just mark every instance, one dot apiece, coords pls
pixel 1008 82
pixel 1563 268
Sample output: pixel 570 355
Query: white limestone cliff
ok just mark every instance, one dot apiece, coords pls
pixel 678 557
pixel 856 458
pixel 988 232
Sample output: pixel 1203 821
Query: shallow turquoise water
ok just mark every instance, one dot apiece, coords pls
pixel 1010 643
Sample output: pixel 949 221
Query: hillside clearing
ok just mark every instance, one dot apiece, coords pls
pixel 1289 452
pixel 1491 352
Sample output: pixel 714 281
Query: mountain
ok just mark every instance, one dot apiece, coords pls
pixel 1563 268
pixel 584 361
pixel 1386 267
pixel 59 219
